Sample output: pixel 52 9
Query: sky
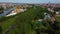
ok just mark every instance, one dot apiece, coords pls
pixel 31 1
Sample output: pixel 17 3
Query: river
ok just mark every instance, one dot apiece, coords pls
pixel 6 12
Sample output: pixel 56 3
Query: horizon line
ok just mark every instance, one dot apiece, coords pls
pixel 32 3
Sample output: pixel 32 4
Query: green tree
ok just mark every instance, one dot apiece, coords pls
pixel 1 9
pixel 0 29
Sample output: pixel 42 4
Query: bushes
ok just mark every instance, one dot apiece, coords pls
pixel 1 9
pixel 1 30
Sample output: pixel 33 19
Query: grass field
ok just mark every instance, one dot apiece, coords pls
pixel 22 22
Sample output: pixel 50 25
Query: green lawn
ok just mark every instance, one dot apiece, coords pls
pixel 22 22
pixel 7 24
pixel 58 18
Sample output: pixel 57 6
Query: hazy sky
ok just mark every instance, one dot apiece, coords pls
pixel 31 1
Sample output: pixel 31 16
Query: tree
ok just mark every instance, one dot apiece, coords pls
pixel 1 10
pixel 0 29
